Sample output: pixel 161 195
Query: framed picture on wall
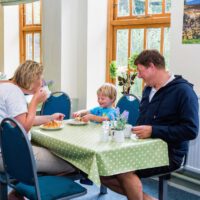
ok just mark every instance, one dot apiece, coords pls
pixel 191 22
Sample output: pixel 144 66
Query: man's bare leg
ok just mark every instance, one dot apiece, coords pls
pixel 127 184
pixel 132 185
pixel 112 183
pixel 148 197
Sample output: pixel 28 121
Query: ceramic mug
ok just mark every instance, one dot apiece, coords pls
pixel 47 91
pixel 118 136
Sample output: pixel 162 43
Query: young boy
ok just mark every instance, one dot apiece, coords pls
pixel 106 96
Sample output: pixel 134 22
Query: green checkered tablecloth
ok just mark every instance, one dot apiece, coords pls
pixel 82 146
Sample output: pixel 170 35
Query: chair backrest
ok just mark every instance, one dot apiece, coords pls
pixel 131 104
pixel 17 153
pixel 57 102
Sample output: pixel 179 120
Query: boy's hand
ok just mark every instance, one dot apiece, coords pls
pixel 76 114
pixel 87 117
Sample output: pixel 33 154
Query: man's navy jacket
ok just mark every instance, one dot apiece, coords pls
pixel 173 115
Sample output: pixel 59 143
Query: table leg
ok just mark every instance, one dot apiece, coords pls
pixel 103 189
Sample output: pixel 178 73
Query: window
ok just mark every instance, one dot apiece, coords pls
pixel 30 32
pixel 135 25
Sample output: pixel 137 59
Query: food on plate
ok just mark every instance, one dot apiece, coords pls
pixel 78 119
pixel 52 124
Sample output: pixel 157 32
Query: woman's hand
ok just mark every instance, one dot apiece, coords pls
pixel 143 131
pixel 57 116
pixel 40 96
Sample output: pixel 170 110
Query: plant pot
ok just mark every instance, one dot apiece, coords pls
pixel 118 136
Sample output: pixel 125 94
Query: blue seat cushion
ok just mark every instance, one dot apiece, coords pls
pixel 51 187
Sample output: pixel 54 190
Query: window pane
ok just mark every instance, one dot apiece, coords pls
pixel 153 38
pixel 138 7
pixel 122 48
pixel 37 47
pixel 155 7
pixel 137 43
pixel 137 40
pixel 123 8
pixel 29 48
pixel 166 50
pixel 167 6
pixel 36 12
pixel 28 13
pixel 136 89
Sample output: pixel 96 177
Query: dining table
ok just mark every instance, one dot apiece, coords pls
pixel 82 146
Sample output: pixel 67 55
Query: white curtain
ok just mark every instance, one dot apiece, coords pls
pixel 15 2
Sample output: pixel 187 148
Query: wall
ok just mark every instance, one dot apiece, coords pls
pixel 74 30
pixel 184 57
pixel 96 48
pixel 51 37
pixel 1 39
pixel 64 54
pixel 11 39
pixel 74 54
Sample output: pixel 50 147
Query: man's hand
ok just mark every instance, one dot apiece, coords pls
pixel 142 131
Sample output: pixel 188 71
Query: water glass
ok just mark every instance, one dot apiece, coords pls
pixel 106 129
pixel 127 131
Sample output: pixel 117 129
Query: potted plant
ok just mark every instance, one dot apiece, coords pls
pixel 126 79
pixel 120 120
pixel 119 125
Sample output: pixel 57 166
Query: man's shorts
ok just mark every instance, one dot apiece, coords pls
pixel 144 173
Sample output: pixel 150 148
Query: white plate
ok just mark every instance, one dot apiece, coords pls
pixel 51 129
pixel 75 122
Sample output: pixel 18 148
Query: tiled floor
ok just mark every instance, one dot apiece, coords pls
pixel 150 187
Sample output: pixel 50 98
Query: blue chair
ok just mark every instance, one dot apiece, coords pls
pixel 19 163
pixel 164 178
pixel 57 102
pixel 130 103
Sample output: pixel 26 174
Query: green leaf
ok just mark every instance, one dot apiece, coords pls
pixel 113 69
pixel 131 61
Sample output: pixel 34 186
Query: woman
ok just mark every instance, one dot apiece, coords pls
pixel 27 79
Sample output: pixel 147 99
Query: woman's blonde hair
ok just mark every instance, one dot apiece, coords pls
pixel 27 73
pixel 108 90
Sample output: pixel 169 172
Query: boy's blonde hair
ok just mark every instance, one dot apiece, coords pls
pixel 27 73
pixel 108 90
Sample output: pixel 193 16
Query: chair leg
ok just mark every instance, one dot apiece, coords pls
pixel 163 187
pixel 3 188
pixel 103 189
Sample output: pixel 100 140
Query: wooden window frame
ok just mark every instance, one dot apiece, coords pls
pixel 24 29
pixel 114 23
